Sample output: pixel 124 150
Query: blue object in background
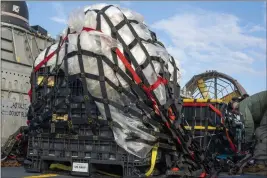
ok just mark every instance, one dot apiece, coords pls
pixel 224 156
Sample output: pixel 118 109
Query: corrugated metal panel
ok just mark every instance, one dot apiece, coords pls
pixel 18 51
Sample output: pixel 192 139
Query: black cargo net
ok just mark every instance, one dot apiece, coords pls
pixel 172 135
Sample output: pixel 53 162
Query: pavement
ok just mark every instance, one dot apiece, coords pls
pixel 19 172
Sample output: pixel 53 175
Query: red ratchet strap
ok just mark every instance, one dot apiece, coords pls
pixel 30 94
pixel 179 141
pixel 192 154
pixel 157 83
pixel 205 104
pixel 90 29
pixel 128 66
pixel 203 175
pixel 218 112
pixel 171 114
pixel 18 137
pixel 232 146
pixel 138 80
pixel 48 57
pixel 175 169
pixel 209 105
pixel 11 157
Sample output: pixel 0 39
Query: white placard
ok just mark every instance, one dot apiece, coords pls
pixel 16 8
pixel 79 167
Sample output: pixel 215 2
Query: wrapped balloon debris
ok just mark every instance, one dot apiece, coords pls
pixel 127 76
pixel 103 39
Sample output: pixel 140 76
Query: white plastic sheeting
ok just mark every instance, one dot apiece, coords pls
pixel 101 43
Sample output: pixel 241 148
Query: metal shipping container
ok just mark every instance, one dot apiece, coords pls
pixel 20 45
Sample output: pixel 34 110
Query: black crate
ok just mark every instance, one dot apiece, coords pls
pixel 100 153
pixel 61 98
pixel 64 127
pixel 200 114
pixel 203 115
pixel 66 99
pixel 45 93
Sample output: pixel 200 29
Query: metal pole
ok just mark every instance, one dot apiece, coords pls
pixel 14 46
pixel 36 44
pixel 30 48
pixel 215 87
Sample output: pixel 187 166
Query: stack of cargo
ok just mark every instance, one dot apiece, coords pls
pixel 105 98
pixel 215 128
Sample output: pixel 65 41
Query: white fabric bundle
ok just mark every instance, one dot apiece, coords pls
pixel 101 43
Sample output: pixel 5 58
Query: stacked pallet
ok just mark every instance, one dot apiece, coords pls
pixel 105 98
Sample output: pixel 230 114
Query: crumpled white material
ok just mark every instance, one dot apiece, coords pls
pixel 102 43
pixel 76 20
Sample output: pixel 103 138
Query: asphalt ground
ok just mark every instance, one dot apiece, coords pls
pixel 19 172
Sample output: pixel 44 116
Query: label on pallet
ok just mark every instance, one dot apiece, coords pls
pixel 79 167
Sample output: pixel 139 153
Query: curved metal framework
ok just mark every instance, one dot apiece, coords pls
pixel 214 85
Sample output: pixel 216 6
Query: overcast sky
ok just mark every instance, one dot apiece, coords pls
pixel 229 37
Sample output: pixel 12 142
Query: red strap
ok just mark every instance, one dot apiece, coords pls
pixel 44 62
pixel 232 146
pixel 216 110
pixel 48 57
pixel 137 78
pixel 128 66
pixel 204 104
pixel 203 175
pixel 18 137
pixel 192 154
pixel 12 157
pixel 90 29
pixel 175 169
pixel 157 83
pixel 179 141
pixel 171 114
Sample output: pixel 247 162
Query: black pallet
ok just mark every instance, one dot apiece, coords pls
pixel 99 153
pixel 96 169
